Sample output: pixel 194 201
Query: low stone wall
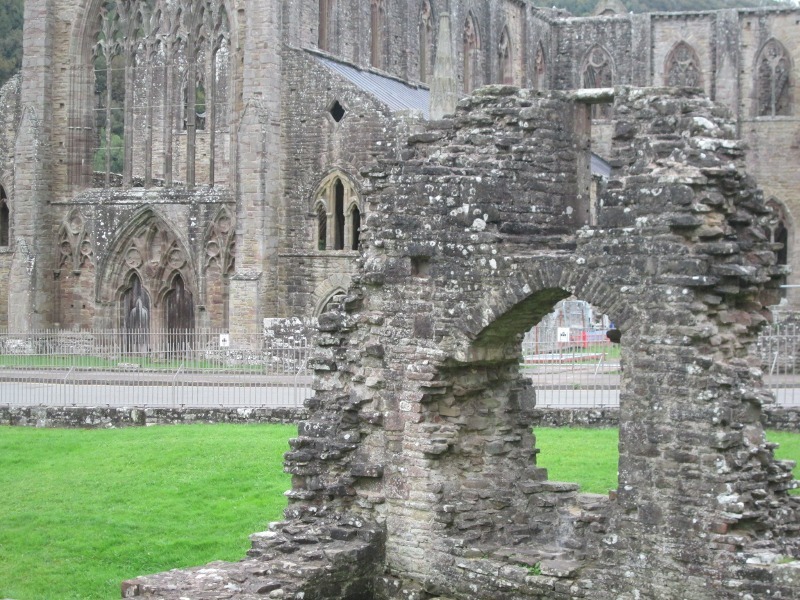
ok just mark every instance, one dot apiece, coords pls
pixel 779 418
pixel 104 417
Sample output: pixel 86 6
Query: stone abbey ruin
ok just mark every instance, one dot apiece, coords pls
pixel 197 164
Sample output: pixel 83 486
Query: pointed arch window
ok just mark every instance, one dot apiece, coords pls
pixel 504 52
pixel 425 41
pixel 5 218
pixel 135 305
pixel 471 54
pixel 598 72
pixel 378 33
pixel 154 85
pixel 682 68
pixel 337 215
pixel 777 230
pixel 773 81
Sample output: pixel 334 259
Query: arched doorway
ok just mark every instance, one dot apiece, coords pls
pixel 135 305
pixel 179 316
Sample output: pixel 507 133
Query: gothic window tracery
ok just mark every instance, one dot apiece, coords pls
pixel 152 104
pixel 773 80
pixel 425 41
pixel 337 215
pixel 75 249
pixel 471 53
pixel 683 67
pixel 598 72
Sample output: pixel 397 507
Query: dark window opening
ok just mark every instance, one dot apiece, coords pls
pixel 338 190
pixel 420 266
pixel 337 111
pixel 136 317
pixel 356 216
pixel 4 218
pixel 322 229
pixel 180 317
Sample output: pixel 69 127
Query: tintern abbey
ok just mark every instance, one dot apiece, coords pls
pixel 202 163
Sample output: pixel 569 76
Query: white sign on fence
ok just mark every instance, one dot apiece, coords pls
pixel 563 334
pixel 224 340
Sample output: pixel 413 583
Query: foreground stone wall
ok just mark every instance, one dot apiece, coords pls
pixel 420 428
pixel 104 417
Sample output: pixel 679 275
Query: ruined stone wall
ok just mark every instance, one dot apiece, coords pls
pixel 10 115
pixel 420 426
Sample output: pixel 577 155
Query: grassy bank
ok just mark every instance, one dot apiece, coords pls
pixel 84 510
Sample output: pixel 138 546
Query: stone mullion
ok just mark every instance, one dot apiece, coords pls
pixel 211 109
pixel 109 77
pixel 127 119
pixel 191 109
pixel 169 85
pixel 149 97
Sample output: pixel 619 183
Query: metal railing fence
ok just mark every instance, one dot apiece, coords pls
pixel 583 370
pixel 212 368
pixel 177 368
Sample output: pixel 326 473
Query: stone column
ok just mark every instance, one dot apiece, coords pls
pixel 444 91
pixel 29 287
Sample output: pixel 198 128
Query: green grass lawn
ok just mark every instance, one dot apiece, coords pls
pixel 85 509
pixel 589 456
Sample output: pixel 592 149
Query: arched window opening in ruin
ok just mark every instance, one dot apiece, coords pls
pixel 773 81
pixel 109 90
pixel 540 69
pixel 484 406
pixel 338 193
pixel 598 72
pixel 323 27
pixel 337 214
pixel 504 52
pixel 152 97
pixel 777 230
pixel 378 33
pixel 471 48
pixel 682 67
pixel 425 41
pixel 179 309
pixel 135 307
pixel 329 302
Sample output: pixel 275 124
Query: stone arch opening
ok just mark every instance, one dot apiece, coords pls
pixel 481 482
pixel 471 54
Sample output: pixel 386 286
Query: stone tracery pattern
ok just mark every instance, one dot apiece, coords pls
pixel 75 248
pixel 683 67
pixel 773 80
pixel 159 70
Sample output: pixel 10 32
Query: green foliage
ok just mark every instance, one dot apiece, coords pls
pixel 117 154
pixel 11 13
pixel 85 510
pixel 586 7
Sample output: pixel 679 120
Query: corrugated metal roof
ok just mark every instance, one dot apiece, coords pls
pixel 600 166
pixel 393 93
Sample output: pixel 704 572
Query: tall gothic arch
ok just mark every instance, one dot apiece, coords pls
pixel 151 93
pixel 773 80
pixel 597 71
pixel 505 57
pixel 682 67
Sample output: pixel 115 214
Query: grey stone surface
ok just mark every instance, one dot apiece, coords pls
pixel 420 428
